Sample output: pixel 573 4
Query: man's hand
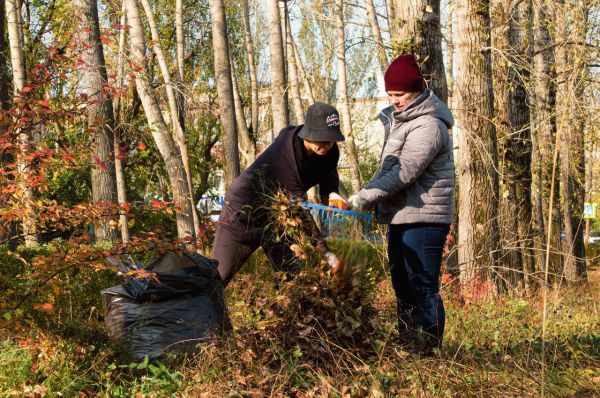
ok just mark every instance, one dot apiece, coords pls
pixel 333 261
pixel 336 200
pixel 355 202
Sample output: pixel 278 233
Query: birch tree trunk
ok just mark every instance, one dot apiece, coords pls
pixel 343 100
pixel 178 128
pixel 251 69
pixel 119 133
pixel 543 131
pixel 571 70
pixel 165 143
pixel 15 39
pixel 4 65
pixel 391 16
pixel 510 38
pixel 279 102
pixel 224 91
pixel 293 73
pixel 246 144
pixel 180 39
pixel 180 91
pixel 477 154
pixel 303 75
pixel 100 117
pixel 381 56
pixel 11 232
pixel 419 32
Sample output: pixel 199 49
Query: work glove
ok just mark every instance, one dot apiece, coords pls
pixel 337 270
pixel 355 203
pixel 336 200
pixel 332 261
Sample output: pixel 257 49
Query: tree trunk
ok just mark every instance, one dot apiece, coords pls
pixel 251 69
pixel 571 70
pixel 180 94
pixel 381 56
pixel 510 37
pixel 450 54
pixel 478 155
pixel 224 91
pixel 100 118
pixel 543 133
pixel 11 231
pixel 15 39
pixel 303 76
pixel 165 143
pixel 4 66
pixel 293 75
pixel 178 128
pixel 391 16
pixel 247 147
pixel 180 39
pixel 279 101
pixel 119 132
pixel 419 32
pixel 519 146
pixel 343 100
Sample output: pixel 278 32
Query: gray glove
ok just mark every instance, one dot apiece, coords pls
pixel 332 260
pixel 355 202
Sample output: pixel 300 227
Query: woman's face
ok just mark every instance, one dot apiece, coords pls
pixel 401 99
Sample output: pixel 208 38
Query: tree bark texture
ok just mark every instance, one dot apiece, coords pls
pixel 251 69
pixel 511 41
pixel 343 100
pixel 4 65
pixel 543 133
pixel 247 147
pixel 477 155
pixel 166 145
pixel 391 16
pixel 302 74
pixel 100 118
pixel 450 54
pixel 120 131
pixel 279 101
pixel 419 32
pixel 381 55
pixel 293 74
pixel 15 39
pixel 224 91
pixel 571 71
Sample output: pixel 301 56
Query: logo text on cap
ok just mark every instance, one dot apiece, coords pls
pixel 333 120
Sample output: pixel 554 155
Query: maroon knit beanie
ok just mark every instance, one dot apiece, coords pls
pixel 404 74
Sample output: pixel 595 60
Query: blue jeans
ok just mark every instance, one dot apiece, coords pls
pixel 415 257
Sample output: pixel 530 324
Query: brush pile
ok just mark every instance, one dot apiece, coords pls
pixel 314 315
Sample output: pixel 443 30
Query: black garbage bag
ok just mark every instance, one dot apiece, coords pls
pixel 183 307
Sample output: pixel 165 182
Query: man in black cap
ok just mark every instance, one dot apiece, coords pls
pixel 299 158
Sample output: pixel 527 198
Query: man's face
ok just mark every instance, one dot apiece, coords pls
pixel 401 99
pixel 318 147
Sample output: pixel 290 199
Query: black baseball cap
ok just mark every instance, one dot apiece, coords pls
pixel 322 123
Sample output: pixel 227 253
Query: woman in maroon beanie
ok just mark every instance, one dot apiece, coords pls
pixel 413 192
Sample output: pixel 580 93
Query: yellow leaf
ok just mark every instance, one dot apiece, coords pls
pixel 131 222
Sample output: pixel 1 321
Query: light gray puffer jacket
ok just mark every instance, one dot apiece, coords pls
pixel 416 180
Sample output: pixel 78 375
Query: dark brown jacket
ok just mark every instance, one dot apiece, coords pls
pixel 275 169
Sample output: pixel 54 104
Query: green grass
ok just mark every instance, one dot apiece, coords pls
pixel 491 349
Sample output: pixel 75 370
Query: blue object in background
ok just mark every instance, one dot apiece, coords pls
pixel 342 224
